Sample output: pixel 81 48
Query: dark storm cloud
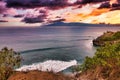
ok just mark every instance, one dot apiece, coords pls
pixel 36 19
pixel 18 16
pixel 116 5
pixel 105 5
pixel 37 3
pixel 32 18
pixel 89 1
pixel 113 6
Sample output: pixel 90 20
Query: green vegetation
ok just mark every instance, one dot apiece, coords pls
pixel 9 60
pixel 112 37
pixel 107 56
pixel 105 64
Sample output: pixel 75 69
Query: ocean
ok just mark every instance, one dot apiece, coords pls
pixel 58 43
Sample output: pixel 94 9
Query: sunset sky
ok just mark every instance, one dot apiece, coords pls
pixel 39 12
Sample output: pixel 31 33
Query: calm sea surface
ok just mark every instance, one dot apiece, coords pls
pixel 52 43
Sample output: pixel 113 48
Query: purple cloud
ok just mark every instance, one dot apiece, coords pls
pixel 108 4
pixel 37 3
pixel 18 16
pixel 3 8
pixel 116 5
pixel 38 17
pixel 89 1
pixel 105 5
pixel 3 21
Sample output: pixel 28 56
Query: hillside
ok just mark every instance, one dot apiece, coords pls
pixel 104 65
pixel 112 37
pixel 73 24
pixel 38 75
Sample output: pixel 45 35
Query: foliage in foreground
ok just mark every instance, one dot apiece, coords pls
pixel 107 56
pixel 9 59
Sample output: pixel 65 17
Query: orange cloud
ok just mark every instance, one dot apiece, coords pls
pixel 98 12
pixel 89 17
pixel 83 16
pixel 96 16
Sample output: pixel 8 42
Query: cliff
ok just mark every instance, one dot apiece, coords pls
pixel 111 37
pixel 105 64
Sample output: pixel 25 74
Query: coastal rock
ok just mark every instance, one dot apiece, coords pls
pixel 98 43
pixel 111 37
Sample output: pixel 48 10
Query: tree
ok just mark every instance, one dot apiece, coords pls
pixel 9 60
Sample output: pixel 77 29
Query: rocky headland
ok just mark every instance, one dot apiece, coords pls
pixel 107 37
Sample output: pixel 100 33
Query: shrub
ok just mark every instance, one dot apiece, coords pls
pixel 110 36
pixel 9 60
pixel 105 56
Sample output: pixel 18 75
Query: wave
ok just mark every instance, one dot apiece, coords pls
pixel 50 65
pixel 44 49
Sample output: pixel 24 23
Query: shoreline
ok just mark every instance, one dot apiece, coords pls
pixel 49 65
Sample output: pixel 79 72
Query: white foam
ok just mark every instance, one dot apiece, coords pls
pixel 50 65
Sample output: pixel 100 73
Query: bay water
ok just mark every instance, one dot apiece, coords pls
pixel 63 43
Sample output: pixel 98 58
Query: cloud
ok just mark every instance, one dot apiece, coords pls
pixel 4 10
pixel 18 16
pixel 89 1
pixel 52 4
pixel 58 20
pixel 105 5
pixel 35 16
pixel 114 4
pixel 3 21
pixel 98 12
pixel 37 19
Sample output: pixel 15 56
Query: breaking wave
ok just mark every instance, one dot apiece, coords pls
pixel 50 65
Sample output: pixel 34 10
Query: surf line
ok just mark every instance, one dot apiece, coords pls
pixel 50 65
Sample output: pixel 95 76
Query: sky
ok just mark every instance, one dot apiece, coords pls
pixel 39 12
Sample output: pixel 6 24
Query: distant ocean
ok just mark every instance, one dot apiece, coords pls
pixel 63 43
